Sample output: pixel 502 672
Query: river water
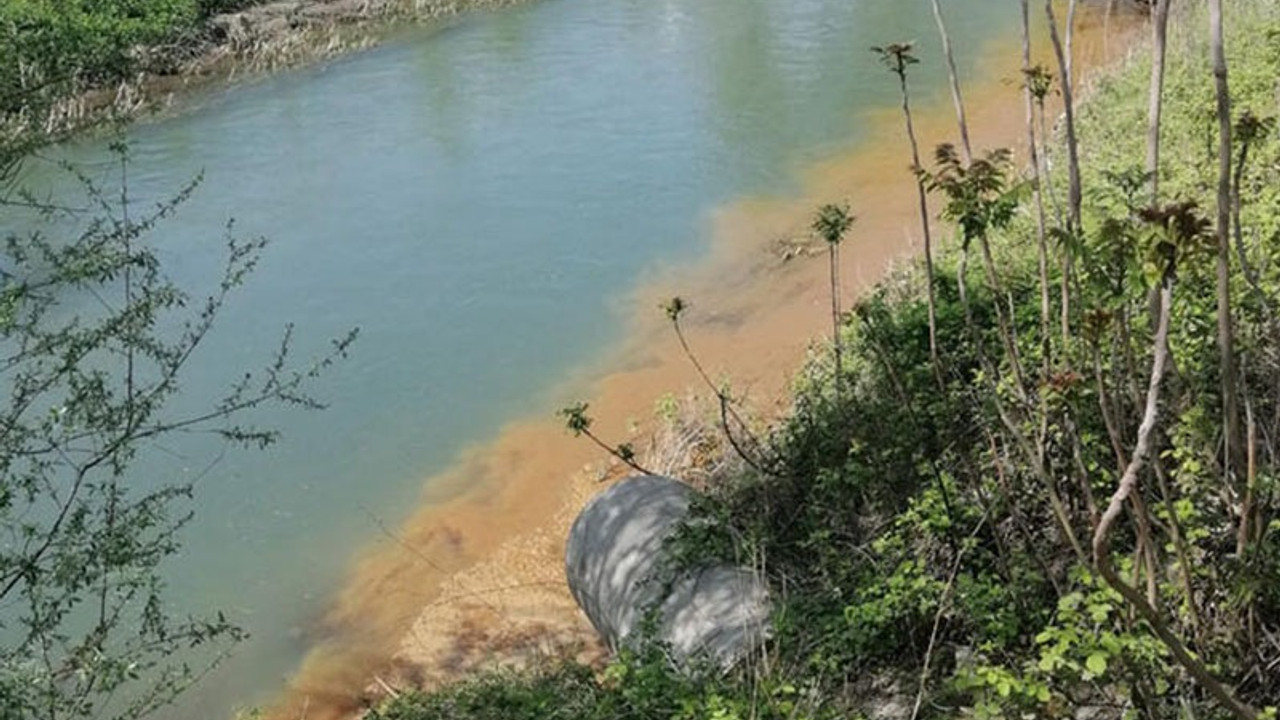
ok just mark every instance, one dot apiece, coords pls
pixel 480 199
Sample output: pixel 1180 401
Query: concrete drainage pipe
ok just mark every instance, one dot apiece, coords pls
pixel 717 612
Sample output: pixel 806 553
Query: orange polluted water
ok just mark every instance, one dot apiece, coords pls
pixel 475 575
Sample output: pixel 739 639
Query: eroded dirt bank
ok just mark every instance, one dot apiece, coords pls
pixel 257 39
pixel 476 574
pixel 274 22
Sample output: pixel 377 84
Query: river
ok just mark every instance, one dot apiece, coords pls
pixel 487 201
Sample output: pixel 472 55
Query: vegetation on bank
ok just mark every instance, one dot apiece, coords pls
pixel 66 65
pixel 1039 479
pixel 56 46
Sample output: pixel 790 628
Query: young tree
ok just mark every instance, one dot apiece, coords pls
pixel 578 422
pixel 980 200
pixel 1066 82
pixel 1029 94
pixel 898 57
pixel 1226 333
pixel 1179 229
pixel 1249 131
pixel 94 341
pixel 1155 102
pixel 831 224
pixel 1069 36
pixel 1075 193
pixel 737 430
pixel 1038 80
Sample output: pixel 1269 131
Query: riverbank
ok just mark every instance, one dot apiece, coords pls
pixel 267 36
pixel 477 572
pixel 261 38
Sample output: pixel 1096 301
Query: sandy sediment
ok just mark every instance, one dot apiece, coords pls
pixel 475 577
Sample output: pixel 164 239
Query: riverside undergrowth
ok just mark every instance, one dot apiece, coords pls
pixel 1047 520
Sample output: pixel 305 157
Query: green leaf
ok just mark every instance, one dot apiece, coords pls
pixel 1099 612
pixel 1096 663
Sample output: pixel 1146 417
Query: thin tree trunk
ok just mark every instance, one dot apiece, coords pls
pixel 756 460
pixel 1180 547
pixel 924 226
pixel 1128 484
pixel 944 604
pixel 1029 100
pixel 1046 178
pixel 1004 319
pixel 1155 101
pixel 1146 547
pixel 956 97
pixel 1247 270
pixel 1244 534
pixel 834 257
pixel 1106 28
pixel 1074 192
pixel 1014 427
pixel 1066 82
pixel 1226 339
pixel 1249 503
pixel 1070 38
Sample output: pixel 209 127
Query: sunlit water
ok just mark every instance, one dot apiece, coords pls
pixel 476 199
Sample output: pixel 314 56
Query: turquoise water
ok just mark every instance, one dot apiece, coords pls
pixel 478 199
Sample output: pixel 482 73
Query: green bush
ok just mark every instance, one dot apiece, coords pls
pixel 49 48
pixel 638 686
pixel 52 48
